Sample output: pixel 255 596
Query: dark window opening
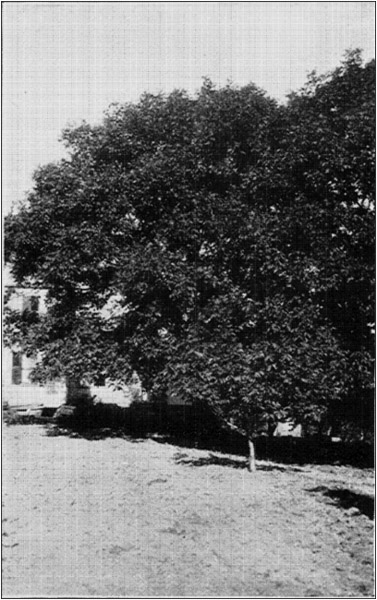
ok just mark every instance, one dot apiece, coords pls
pixel 101 381
pixel 17 368
pixel 34 304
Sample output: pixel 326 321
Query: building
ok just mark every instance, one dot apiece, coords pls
pixel 17 388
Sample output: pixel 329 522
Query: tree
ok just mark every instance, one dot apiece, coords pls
pixel 331 161
pixel 221 246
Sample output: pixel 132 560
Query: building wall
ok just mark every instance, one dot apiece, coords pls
pixel 51 394
pixel 25 298
pixel 17 389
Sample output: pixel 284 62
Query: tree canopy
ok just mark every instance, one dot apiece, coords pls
pixel 220 245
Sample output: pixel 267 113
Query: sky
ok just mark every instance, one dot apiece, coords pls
pixel 65 62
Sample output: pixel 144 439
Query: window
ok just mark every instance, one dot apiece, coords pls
pixel 101 381
pixel 30 304
pixel 17 368
pixel 34 304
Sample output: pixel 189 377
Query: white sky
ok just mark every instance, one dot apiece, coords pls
pixel 65 62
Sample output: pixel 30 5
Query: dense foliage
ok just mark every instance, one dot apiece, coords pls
pixel 222 246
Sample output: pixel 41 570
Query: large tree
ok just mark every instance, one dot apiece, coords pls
pixel 221 246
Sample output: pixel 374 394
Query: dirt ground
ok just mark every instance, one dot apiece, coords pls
pixel 122 518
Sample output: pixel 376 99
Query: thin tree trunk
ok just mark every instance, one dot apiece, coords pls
pixel 251 462
pixel 252 465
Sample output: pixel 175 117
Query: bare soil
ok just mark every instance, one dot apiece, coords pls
pixel 125 518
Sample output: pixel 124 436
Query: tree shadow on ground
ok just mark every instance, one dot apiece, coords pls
pixel 212 459
pixel 236 445
pixel 93 434
pixel 303 451
pixel 283 469
pixel 190 430
pixel 206 461
pixel 296 453
pixel 345 498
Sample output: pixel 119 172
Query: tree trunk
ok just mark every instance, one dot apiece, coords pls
pixel 252 465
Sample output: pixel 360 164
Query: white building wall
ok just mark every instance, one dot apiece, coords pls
pixel 52 394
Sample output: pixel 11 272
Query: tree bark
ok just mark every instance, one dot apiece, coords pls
pixel 252 466
pixel 251 460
